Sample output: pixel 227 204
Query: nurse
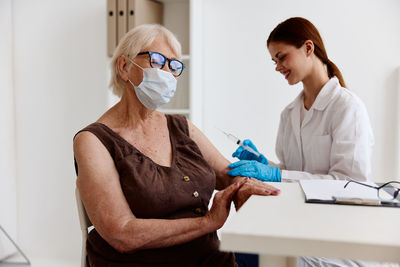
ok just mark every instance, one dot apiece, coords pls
pixel 325 133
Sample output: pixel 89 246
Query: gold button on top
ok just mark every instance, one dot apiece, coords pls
pixel 186 178
pixel 197 210
pixel 195 194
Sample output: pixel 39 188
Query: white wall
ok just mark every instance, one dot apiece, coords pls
pixel 60 86
pixel 244 95
pixel 8 179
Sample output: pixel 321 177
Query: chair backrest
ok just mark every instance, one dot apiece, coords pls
pixel 85 224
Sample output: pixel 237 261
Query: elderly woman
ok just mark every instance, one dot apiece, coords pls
pixel 146 178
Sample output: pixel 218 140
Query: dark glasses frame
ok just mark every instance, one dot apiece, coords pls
pixel 165 59
pixel 394 194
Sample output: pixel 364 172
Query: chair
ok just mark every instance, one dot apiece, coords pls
pixel 85 224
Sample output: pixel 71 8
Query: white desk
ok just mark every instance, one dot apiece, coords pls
pixel 285 225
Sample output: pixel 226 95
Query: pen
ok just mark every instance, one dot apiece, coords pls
pixel 357 201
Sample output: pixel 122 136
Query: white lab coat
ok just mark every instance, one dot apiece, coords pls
pixel 334 141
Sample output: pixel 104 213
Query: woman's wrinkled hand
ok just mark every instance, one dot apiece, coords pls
pixel 221 206
pixel 252 187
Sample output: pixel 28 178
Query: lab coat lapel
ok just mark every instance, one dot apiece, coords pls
pixel 327 93
pixel 324 97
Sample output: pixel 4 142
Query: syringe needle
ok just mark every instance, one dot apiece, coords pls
pixel 222 131
pixel 239 142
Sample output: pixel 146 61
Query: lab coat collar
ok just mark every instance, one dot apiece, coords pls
pixel 327 92
pixel 298 99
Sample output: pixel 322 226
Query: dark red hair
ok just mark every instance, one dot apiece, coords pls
pixel 295 31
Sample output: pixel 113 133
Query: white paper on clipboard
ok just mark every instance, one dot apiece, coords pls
pixel 328 190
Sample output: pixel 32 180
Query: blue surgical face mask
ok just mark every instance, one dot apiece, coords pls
pixel 156 89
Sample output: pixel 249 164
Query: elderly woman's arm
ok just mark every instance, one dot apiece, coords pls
pixel 220 165
pixel 107 208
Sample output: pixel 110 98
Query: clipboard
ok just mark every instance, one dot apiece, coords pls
pixel 333 192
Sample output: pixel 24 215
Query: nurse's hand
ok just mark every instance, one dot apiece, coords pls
pixel 243 154
pixel 252 168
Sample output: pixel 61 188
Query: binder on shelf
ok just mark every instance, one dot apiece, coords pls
pixel 131 14
pixel 148 11
pixel 122 20
pixel 144 12
pixel 123 15
pixel 111 26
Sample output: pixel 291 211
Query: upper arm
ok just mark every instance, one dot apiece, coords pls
pixel 99 186
pixel 211 154
pixel 352 142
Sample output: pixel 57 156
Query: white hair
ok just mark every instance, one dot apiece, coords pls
pixel 136 41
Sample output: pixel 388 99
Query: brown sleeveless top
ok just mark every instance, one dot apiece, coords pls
pixel 154 191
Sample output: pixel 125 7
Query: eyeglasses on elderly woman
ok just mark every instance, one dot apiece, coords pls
pixel 158 60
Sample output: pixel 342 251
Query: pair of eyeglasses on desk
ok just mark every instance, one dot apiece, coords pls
pixel 387 192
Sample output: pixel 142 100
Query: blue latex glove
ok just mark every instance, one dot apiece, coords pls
pixel 252 168
pixel 243 154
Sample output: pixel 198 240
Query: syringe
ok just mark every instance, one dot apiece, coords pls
pixel 240 143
